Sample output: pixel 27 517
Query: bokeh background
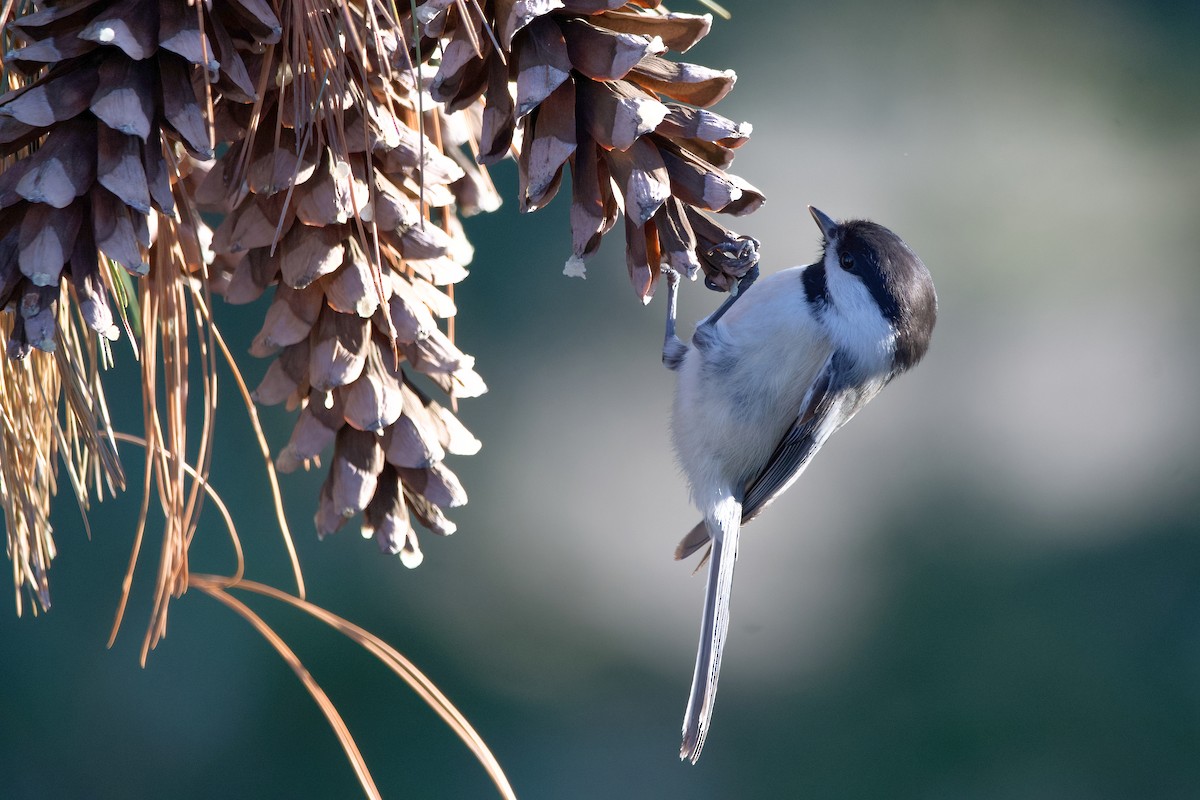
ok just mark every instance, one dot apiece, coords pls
pixel 987 586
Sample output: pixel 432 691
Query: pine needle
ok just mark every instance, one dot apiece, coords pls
pixel 716 8
pixel 214 587
pixel 265 451
pixel 417 680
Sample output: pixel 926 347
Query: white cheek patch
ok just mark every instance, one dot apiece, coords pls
pixel 854 319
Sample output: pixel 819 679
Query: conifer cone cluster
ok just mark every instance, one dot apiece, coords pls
pixel 333 146
pixel 594 93
pixel 119 87
pixel 350 213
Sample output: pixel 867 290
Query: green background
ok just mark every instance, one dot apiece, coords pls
pixel 987 587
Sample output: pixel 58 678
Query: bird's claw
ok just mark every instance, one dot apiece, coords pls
pixel 731 260
pixel 739 254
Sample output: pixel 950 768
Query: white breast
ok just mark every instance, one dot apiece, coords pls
pixel 735 399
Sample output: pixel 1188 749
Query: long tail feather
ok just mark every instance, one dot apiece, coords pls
pixel 714 625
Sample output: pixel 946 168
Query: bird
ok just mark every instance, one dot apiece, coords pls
pixel 766 380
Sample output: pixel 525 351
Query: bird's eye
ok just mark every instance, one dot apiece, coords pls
pixel 847 262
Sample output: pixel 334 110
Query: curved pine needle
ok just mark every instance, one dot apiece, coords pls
pixel 392 658
pixel 264 448
pixel 222 509
pixel 216 590
pixel 138 537
pixel 716 8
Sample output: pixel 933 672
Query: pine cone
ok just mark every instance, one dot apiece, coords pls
pixel 593 92
pixel 357 231
pixel 119 86
pixel 105 99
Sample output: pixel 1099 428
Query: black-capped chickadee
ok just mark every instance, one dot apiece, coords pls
pixel 769 376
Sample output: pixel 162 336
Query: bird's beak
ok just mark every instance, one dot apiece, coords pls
pixel 824 222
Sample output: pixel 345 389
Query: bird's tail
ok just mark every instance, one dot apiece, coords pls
pixel 714 624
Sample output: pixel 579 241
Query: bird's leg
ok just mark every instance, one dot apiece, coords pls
pixel 673 348
pixel 736 254
pixel 672 303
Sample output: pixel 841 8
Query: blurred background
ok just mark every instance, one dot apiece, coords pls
pixel 987 586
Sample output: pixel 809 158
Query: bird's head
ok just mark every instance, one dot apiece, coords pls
pixel 877 297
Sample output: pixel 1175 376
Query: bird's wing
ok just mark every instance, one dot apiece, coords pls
pixel 696 538
pixel 830 403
